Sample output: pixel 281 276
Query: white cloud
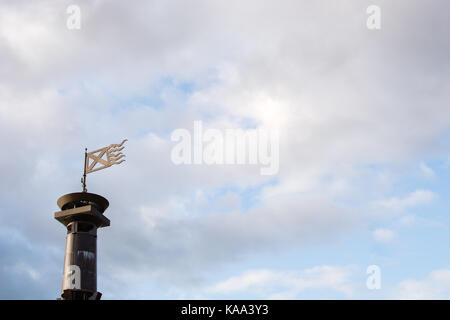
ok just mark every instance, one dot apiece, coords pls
pixel 435 285
pixel 276 284
pixel 426 171
pixel 416 198
pixel 407 220
pixel 383 235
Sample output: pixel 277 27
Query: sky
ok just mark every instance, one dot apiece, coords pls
pixel 363 120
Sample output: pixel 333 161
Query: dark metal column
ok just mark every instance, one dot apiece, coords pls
pixel 82 214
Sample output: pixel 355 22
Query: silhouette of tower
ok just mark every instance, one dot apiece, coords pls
pixel 82 214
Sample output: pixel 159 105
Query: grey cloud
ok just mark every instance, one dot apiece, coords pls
pixel 348 97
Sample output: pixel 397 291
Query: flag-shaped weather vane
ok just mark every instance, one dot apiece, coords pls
pixel 101 159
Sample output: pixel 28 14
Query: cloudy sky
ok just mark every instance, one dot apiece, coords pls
pixel 364 156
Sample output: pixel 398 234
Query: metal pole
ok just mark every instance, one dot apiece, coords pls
pixel 84 174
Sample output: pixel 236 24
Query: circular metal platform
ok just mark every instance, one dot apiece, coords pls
pixel 79 199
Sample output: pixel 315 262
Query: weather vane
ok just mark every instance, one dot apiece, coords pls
pixel 94 160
